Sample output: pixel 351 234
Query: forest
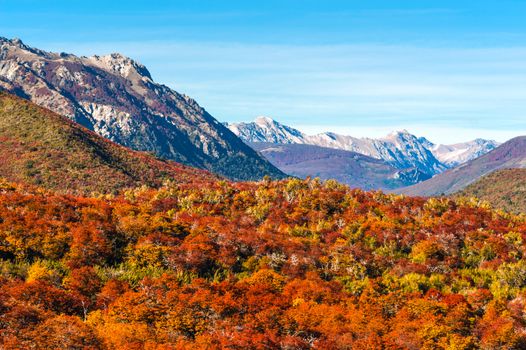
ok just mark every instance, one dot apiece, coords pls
pixel 289 264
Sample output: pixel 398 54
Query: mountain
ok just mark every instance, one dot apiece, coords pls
pixel 505 189
pixel 511 154
pixel 42 148
pixel 351 168
pixel 117 98
pixel 456 154
pixel 400 149
pixel 265 129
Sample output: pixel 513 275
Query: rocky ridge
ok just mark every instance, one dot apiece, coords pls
pixel 117 98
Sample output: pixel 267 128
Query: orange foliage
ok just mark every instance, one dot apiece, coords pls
pixel 281 265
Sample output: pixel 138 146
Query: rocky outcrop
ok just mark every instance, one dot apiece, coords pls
pixel 117 98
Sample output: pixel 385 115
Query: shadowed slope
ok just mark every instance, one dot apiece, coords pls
pixel 351 168
pixel 117 98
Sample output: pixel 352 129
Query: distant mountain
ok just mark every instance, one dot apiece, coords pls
pixel 42 148
pixel 400 149
pixel 453 155
pixel 511 154
pixel 354 169
pixel 117 98
pixel 265 129
pixel 505 189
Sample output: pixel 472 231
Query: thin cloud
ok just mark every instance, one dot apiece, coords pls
pixel 343 85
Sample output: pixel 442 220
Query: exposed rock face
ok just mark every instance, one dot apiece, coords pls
pixel 39 147
pixel 116 97
pixel 265 129
pixel 400 149
pixel 509 155
pixel 453 155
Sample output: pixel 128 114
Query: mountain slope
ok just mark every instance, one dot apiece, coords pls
pixel 43 148
pixel 459 153
pixel 117 98
pixel 351 168
pixel 505 189
pixel 511 154
pixel 400 149
pixel 265 129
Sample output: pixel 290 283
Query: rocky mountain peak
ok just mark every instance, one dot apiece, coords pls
pixel 116 97
pixel 263 120
pixel 481 142
pixel 266 129
pixel 400 135
pixel 13 42
pixel 399 148
pixel 399 132
pixel 16 46
pixel 120 64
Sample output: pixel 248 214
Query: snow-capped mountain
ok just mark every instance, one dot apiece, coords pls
pixel 459 153
pixel 509 155
pixel 400 149
pixel 354 169
pixel 117 98
pixel 265 129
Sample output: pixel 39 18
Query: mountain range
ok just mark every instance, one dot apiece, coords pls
pixel 509 155
pixel 117 98
pixel 355 169
pixel 105 247
pixel 400 149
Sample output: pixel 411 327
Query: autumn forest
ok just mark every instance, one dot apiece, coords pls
pixel 293 264
pixel 262 175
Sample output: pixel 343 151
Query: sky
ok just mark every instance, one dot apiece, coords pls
pixel 449 70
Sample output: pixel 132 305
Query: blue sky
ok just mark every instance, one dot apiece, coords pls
pixel 447 70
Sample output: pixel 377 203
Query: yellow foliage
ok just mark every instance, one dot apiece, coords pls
pixel 424 250
pixel 267 277
pixel 38 271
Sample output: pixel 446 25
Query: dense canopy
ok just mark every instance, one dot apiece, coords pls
pixel 291 264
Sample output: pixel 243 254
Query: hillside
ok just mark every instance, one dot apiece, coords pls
pixel 42 148
pixel 117 98
pixel 351 168
pixel 271 265
pixel 511 154
pixel 504 189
